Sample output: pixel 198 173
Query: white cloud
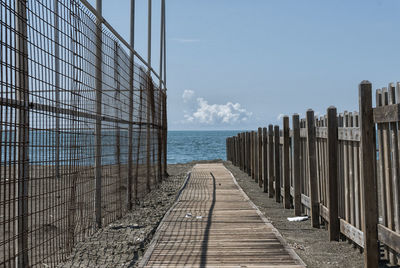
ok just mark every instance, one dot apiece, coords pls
pixel 217 113
pixel 187 95
pixel 188 118
pixel 186 40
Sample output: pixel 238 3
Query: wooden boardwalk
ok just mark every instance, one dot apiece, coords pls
pixel 214 224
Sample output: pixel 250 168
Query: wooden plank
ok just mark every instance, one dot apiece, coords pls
pixel 305 200
pixel 321 132
pixel 312 167
pixel 296 165
pixel 387 114
pixel 380 169
pixel 303 133
pixel 388 171
pixel 346 171
pixel 286 168
pixel 333 215
pixel 352 232
pixel 270 161
pixel 324 212
pixel 349 133
pixel 239 236
pixel 368 173
pixel 394 134
pixel 277 168
pixel 357 192
pixel 351 174
pixel 389 238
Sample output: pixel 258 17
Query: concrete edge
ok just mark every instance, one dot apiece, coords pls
pixel 291 251
pixel 146 257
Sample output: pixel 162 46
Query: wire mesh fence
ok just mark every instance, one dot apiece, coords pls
pixel 83 129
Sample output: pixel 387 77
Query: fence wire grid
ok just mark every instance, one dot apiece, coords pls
pixel 80 144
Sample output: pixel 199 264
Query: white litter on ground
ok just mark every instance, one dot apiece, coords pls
pixel 188 215
pixel 299 218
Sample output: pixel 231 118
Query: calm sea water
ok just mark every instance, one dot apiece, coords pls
pixel 183 146
pixel 186 146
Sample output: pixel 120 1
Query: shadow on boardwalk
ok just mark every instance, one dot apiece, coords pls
pixel 213 224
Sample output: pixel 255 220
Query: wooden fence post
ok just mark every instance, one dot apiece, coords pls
pixel 252 153
pixel 265 160
pixel 286 170
pixel 256 157
pixel 260 158
pixel 368 175
pixel 312 167
pixel 248 153
pixel 296 165
pixel 271 161
pixel 277 165
pixel 227 148
pixel 242 156
pixel 334 228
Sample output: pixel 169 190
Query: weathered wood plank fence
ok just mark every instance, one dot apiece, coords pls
pixel 336 170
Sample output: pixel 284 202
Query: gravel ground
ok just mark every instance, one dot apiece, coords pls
pixel 311 244
pixel 122 243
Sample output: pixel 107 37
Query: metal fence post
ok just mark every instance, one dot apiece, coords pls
pixel 334 227
pixel 22 86
pixel 57 86
pixel 148 128
pixel 312 167
pixel 368 175
pixel 130 116
pixel 165 136
pixel 98 114
pixel 118 130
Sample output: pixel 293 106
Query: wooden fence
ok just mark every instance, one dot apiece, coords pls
pixel 341 170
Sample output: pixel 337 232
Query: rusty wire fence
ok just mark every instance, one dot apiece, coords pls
pixel 82 129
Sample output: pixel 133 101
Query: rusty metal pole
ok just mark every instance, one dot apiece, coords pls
pixel 57 86
pixel 148 97
pixel 98 74
pixel 165 87
pixel 130 126
pixel 22 86
pixel 160 129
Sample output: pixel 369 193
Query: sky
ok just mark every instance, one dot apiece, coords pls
pixel 241 64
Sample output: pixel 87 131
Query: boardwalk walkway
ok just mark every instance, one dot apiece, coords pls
pixel 214 224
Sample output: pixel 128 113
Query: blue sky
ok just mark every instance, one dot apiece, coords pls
pixel 239 64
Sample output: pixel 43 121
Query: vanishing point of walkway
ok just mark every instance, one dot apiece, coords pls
pixel 214 224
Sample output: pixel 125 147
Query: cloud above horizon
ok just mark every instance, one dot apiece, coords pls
pixel 210 114
pixel 187 95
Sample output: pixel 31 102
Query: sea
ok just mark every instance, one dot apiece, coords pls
pixel 187 146
pixel 183 146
